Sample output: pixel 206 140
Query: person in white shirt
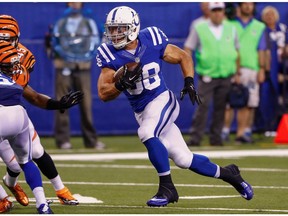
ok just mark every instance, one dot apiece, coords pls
pixel 205 17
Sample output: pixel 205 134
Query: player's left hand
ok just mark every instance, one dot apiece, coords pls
pixel 190 89
pixel 71 99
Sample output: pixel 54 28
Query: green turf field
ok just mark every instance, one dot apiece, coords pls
pixel 123 186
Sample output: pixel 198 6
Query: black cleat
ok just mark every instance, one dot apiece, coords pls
pixel 243 187
pixel 166 194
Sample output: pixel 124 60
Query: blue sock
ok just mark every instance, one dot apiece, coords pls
pixel 32 175
pixel 203 166
pixel 158 154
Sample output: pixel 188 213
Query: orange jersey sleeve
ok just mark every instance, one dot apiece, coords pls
pixel 22 78
pixel 27 58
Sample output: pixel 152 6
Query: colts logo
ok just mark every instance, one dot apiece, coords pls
pixel 136 20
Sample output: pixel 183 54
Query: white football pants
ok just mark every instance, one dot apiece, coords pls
pixel 7 153
pixel 157 120
pixel 14 126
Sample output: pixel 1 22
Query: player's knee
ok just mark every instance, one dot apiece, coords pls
pixel 14 166
pixel 183 160
pixel 145 133
pixel 37 151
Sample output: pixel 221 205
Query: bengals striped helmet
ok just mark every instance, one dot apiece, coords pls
pixel 9 59
pixel 9 29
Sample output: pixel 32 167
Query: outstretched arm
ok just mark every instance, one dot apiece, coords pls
pixel 33 97
pixel 45 102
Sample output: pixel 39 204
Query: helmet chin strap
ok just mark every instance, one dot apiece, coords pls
pixel 129 39
pixel 123 43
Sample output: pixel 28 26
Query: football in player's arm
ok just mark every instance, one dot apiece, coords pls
pixel 155 106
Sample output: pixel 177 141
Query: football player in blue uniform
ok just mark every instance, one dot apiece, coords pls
pixel 14 124
pixel 155 106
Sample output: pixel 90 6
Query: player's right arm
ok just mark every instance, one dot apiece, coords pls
pixel 33 97
pixel 45 102
pixel 106 87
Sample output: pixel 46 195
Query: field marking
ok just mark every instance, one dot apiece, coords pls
pixel 154 184
pixel 56 203
pixel 208 197
pixel 112 166
pixel 264 169
pixel 144 155
pixel 79 197
pixel 173 207
pixel 93 200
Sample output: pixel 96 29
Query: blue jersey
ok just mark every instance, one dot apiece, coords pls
pixel 10 92
pixel 152 43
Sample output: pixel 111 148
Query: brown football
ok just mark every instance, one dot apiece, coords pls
pixel 120 72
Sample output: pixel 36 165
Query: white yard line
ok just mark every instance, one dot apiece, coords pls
pixel 155 184
pixel 143 155
pixel 208 197
pixel 89 200
pixel 190 210
pixel 79 197
pixel 115 166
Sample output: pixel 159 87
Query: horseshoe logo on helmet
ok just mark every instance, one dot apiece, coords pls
pixel 136 20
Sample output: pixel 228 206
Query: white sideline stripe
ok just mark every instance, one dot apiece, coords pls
pixel 99 156
pixel 90 200
pixel 208 197
pixel 79 197
pixel 144 155
pixel 231 209
pixel 151 167
pixel 107 166
pixel 264 170
pixel 179 208
pixel 153 184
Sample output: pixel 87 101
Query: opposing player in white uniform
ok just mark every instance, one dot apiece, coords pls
pixel 9 31
pixel 14 124
pixel 155 106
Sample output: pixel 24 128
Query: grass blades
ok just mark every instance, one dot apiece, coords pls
pixel 125 185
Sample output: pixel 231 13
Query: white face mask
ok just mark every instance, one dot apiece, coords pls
pixel 118 35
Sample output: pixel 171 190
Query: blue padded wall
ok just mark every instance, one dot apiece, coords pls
pixel 113 117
